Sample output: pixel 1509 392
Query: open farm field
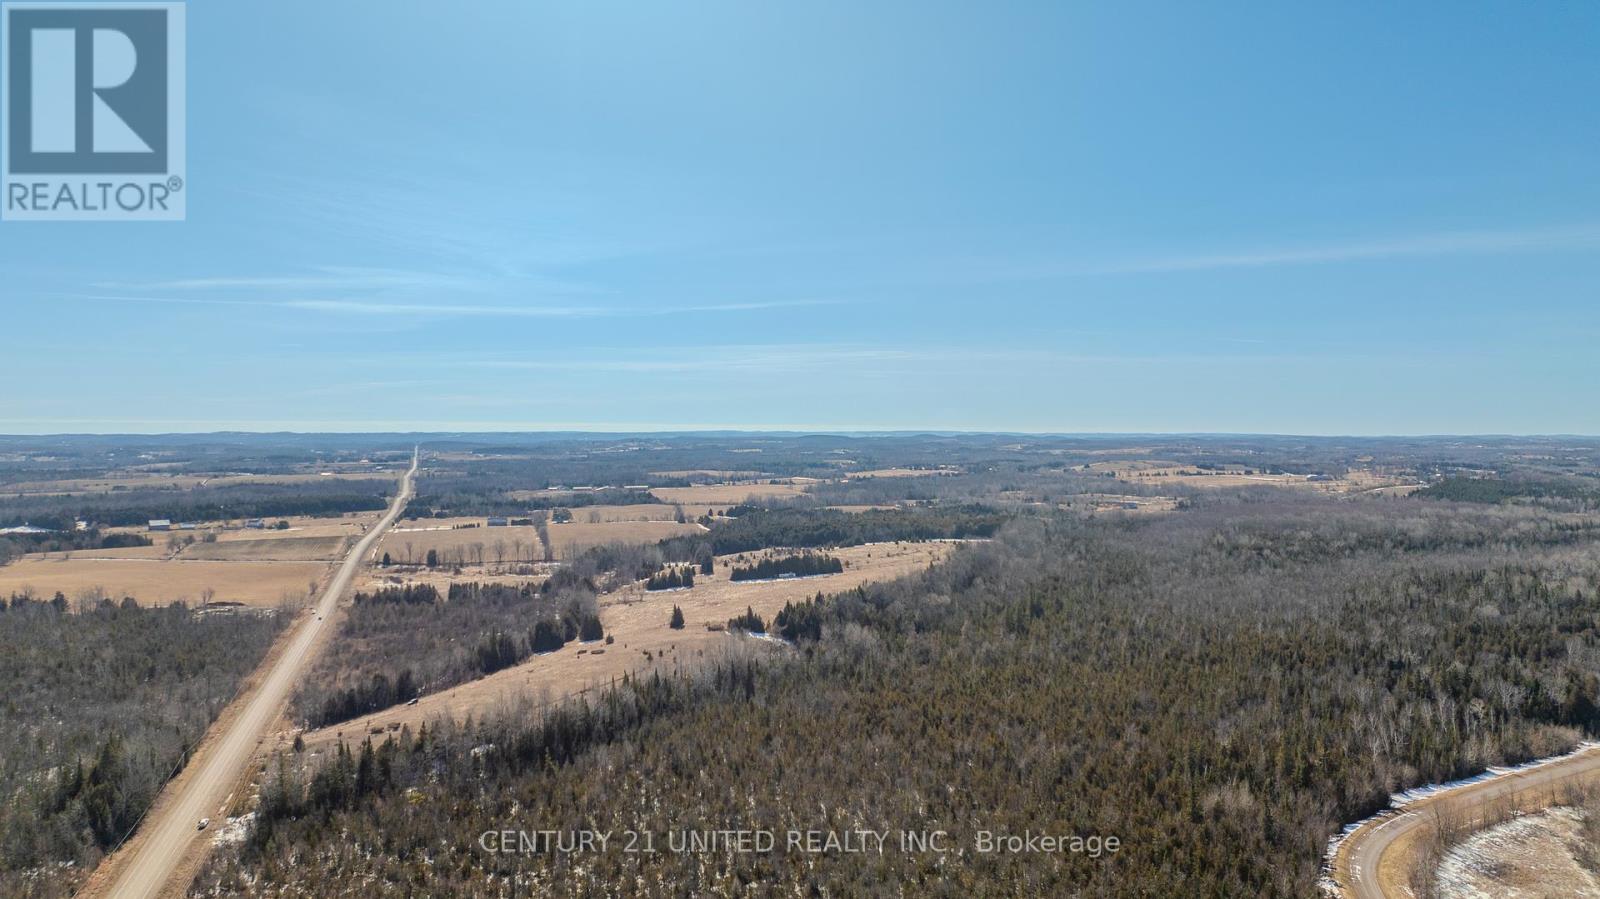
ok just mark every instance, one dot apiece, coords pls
pixel 160 582
pixel 280 549
pixel 411 542
pixel 634 512
pixel 576 536
pixel 902 473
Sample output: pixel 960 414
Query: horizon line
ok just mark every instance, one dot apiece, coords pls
pixel 789 430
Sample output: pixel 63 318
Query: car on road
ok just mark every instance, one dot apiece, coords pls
pixel 204 823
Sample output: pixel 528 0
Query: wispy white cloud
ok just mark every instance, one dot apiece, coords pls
pixel 1068 263
pixel 359 281
pixel 1438 244
pixel 440 310
pixel 325 279
pixel 728 358
pixel 397 309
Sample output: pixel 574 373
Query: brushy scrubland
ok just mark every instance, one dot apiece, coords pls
pixel 96 711
pixel 1219 689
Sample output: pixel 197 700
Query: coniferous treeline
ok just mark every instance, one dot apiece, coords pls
pixel 380 691
pixel 672 578
pixel 801 565
pixel 1220 714
pixel 406 594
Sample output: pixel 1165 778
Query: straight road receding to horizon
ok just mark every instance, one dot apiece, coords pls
pixel 203 789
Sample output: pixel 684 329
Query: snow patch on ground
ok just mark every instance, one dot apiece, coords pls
pixel 1399 801
pixel 1525 857
pixel 235 830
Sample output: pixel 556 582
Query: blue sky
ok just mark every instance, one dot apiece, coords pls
pixel 1351 218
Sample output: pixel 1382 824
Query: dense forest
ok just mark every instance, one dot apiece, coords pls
pixel 98 709
pixel 1578 495
pixel 442 503
pixel 1219 699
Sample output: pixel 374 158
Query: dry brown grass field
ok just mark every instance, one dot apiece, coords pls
pixel 71 486
pixel 574 537
pixel 637 619
pixel 724 494
pixel 282 549
pixel 160 582
pixel 646 512
pixel 633 512
pixel 411 540
pixel 264 549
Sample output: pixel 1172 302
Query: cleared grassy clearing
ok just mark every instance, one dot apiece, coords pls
pixel 636 620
